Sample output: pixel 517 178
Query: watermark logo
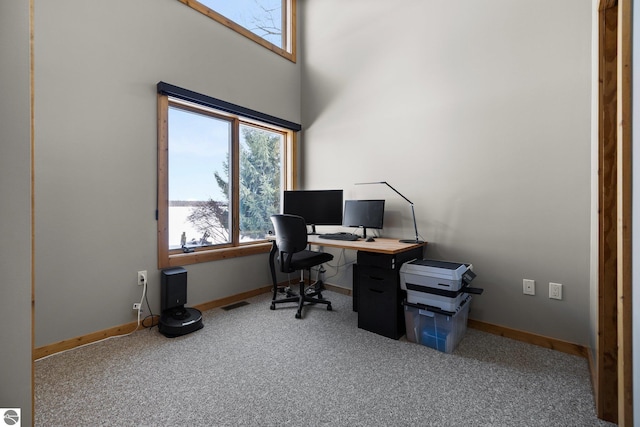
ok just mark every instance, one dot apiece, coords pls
pixel 10 417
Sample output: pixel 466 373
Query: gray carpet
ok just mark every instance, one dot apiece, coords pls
pixel 251 366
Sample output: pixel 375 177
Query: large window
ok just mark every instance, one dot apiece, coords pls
pixel 270 23
pixel 220 177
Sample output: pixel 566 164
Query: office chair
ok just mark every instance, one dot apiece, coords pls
pixel 291 240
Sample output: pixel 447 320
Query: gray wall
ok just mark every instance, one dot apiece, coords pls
pixel 96 67
pixel 15 208
pixel 479 113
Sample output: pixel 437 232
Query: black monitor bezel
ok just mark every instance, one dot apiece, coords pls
pixel 322 207
pixel 378 225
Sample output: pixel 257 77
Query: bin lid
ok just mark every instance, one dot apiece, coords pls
pixel 438 310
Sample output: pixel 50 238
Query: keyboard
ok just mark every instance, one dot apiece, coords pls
pixel 338 236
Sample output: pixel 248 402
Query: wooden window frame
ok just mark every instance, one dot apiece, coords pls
pixel 176 257
pixel 289 21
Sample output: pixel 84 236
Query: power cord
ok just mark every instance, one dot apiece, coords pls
pixel 339 265
pixel 143 298
pixel 150 315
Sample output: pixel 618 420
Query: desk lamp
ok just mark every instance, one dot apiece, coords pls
pixel 415 226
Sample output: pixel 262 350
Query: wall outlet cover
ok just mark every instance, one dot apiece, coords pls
pixel 555 290
pixel 528 287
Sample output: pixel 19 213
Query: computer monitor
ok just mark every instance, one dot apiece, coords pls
pixel 317 207
pixel 363 213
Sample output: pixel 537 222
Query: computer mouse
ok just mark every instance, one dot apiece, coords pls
pixel 370 239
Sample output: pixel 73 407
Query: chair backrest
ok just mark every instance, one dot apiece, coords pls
pixel 291 237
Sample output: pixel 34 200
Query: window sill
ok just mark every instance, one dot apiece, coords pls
pixel 181 259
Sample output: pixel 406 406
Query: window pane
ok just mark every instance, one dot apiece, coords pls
pixel 261 17
pixel 260 180
pixel 199 147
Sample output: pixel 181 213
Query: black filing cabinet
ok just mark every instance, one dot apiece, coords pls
pixel 377 294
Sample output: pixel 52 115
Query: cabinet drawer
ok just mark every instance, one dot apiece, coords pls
pixel 377 277
pixel 388 261
pixel 372 279
pixel 375 259
pixel 379 299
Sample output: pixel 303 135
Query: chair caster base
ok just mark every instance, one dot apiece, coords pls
pixel 273 306
pixel 329 307
pixel 298 316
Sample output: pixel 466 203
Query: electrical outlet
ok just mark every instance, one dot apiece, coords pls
pixel 555 290
pixel 528 287
pixel 137 306
pixel 142 277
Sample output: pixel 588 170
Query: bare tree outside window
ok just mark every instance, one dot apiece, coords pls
pixel 262 17
pixel 270 23
pixel 260 189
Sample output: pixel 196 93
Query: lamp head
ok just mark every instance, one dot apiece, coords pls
pixel 367 183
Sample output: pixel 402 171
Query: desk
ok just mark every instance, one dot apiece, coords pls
pixel 377 296
pixel 382 245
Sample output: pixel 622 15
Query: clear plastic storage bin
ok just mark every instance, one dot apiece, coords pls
pixel 436 329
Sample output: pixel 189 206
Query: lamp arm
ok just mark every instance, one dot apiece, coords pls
pixel 413 213
pixel 399 193
pixel 415 225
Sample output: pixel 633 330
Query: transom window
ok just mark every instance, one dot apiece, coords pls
pixel 270 23
pixel 220 177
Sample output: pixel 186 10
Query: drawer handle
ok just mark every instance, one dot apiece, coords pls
pixel 378 291
pixel 376 278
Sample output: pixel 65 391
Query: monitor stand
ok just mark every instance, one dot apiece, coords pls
pixel 313 230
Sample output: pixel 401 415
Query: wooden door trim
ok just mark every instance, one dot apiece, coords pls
pixel 605 384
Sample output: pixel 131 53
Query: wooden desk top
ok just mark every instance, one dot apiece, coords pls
pixel 382 245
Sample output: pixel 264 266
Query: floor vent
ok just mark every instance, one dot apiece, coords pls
pixel 236 305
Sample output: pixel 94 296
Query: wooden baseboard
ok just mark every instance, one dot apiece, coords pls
pixel 552 343
pixel 338 289
pixel 232 299
pixel 539 340
pixel 127 328
pixel 69 344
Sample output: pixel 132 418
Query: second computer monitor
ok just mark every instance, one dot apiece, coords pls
pixel 363 213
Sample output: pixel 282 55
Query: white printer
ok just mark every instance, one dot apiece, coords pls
pixel 439 284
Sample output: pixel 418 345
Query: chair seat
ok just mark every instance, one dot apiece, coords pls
pixel 304 260
pixel 291 245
